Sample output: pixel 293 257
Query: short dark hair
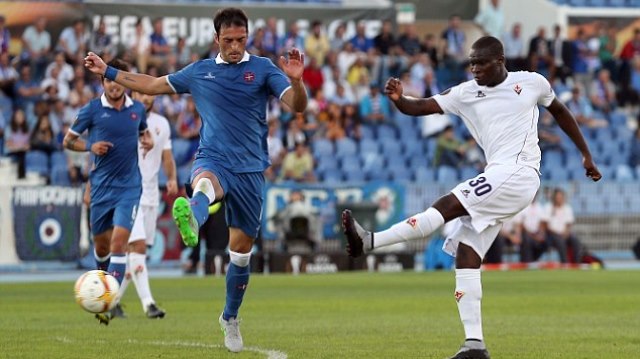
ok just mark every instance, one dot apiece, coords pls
pixel 230 16
pixel 118 64
pixel 490 44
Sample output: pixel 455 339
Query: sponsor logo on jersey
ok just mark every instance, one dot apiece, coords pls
pixel 134 116
pixel 412 222
pixel 209 75
pixel 517 89
pixel 480 94
pixel 465 192
pixel 458 295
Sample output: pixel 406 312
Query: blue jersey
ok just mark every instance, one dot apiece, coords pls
pixel 232 102
pixel 119 166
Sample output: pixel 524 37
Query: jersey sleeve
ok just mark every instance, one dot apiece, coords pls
pixel 180 81
pixel 546 91
pixel 277 81
pixel 83 121
pixel 449 100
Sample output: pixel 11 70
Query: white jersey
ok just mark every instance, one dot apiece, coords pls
pixel 150 164
pixel 502 119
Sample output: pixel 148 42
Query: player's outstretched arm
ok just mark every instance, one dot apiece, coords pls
pixel 569 125
pixel 293 67
pixel 138 82
pixel 410 105
pixel 75 143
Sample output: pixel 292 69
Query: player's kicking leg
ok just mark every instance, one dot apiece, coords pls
pixel 189 215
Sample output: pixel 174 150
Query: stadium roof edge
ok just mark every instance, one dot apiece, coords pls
pixel 348 4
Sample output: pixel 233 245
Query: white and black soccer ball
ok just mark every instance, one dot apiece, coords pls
pixel 96 291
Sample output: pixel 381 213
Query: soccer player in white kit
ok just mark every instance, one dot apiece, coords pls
pixel 144 226
pixel 500 109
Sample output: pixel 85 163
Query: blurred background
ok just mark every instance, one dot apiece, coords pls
pixel 351 148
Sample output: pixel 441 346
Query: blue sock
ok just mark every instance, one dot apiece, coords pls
pixel 200 207
pixel 102 263
pixel 118 266
pixel 237 281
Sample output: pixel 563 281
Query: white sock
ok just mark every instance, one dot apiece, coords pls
pixel 205 186
pixel 419 226
pixel 469 296
pixel 125 281
pixel 240 259
pixel 140 278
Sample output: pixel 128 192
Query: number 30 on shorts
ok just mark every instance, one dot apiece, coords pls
pixel 480 186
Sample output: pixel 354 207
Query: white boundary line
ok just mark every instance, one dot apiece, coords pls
pixel 270 354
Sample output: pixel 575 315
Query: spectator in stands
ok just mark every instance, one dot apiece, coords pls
pixel 276 150
pixel 138 45
pixel 607 37
pixel 454 54
pixel 514 48
pixel 294 135
pixel 361 42
pixel 491 19
pixel 549 134
pixel 351 122
pixel 188 124
pixel 100 42
pixel 561 50
pixel 17 140
pixel 57 118
pixel 298 165
pixel 559 220
pixel 534 242
pixel 431 86
pixel 255 44
pixel 428 46
pixel 510 235
pixel 54 86
pixel 317 105
pixel 385 39
pixel 28 92
pixel 342 97
pixel 419 70
pixel 580 54
pixel 582 110
pixel 449 150
pixel 346 57
pixel 65 71
pixel 473 155
pixel 312 76
pixel 603 92
pixel 73 41
pixel 36 47
pixel 160 49
pixel 183 53
pixel 42 137
pixel 634 155
pixel 299 224
pixel 8 78
pixel 270 42
pixel 630 50
pixel 292 39
pixel 540 55
pixel 316 44
pixel 5 36
pixel 357 70
pixel 335 123
pixel 375 107
pixel 80 92
pixel 337 43
pixel 409 41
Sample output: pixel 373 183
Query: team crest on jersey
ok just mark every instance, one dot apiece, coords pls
pixel 249 76
pixel 480 94
pixel 458 295
pixel 517 89
pixel 157 131
pixel 134 116
pixel 412 222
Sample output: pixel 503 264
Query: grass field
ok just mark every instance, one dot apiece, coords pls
pixel 536 314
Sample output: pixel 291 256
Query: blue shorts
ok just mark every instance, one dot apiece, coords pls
pixel 113 207
pixel 243 195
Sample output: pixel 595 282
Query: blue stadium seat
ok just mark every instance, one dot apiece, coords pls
pixel 447 175
pixel 416 162
pixel 468 172
pixel 346 147
pixel 413 148
pixel 59 160
pixel 37 161
pixel 552 159
pixel 557 175
pixel 623 173
pixel 380 174
pixel 367 132
pixel 370 162
pixel 181 149
pixel 424 175
pixel 402 176
pixel 184 174
pixel 326 163
pixel 386 132
pixel 162 178
pixel 60 176
pixel 391 148
pixel 354 174
pixel 350 161
pixel 368 145
pixel 322 147
pixel 331 176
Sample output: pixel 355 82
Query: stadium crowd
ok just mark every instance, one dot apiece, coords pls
pixel 350 130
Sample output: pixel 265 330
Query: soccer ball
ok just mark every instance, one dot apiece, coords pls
pixel 96 291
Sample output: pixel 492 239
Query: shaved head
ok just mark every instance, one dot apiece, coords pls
pixel 489 45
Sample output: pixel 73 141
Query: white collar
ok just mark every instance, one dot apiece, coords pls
pixel 105 103
pixel 219 59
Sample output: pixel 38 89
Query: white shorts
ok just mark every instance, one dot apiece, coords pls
pixel 490 198
pixel 144 226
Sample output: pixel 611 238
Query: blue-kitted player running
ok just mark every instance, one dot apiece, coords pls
pixel 231 93
pixel 115 123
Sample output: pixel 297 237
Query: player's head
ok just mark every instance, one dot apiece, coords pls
pixel 112 89
pixel 487 61
pixel 147 100
pixel 232 31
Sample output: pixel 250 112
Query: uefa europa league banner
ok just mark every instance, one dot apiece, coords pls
pixel 47 222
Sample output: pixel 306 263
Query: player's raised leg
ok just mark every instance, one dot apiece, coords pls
pixel 189 215
pixel 360 241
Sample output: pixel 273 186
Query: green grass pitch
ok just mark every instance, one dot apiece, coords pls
pixel 530 314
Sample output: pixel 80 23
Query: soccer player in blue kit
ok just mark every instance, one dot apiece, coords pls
pixel 115 123
pixel 231 93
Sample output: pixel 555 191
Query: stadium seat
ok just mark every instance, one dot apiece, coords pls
pixel 322 147
pixel 331 176
pixel 37 161
pixel 350 161
pixel 370 162
pixel 59 160
pixel 162 178
pixel 416 162
pixel 379 174
pixel 623 173
pixel 468 172
pixel 368 145
pixel 424 175
pixel 326 163
pixel 354 174
pixel 413 148
pixel 447 175
pixel 402 176
pixel 60 176
pixel 184 174
pixel 386 132
pixel 391 148
pixel 367 132
pixel 346 147
pixel 181 149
